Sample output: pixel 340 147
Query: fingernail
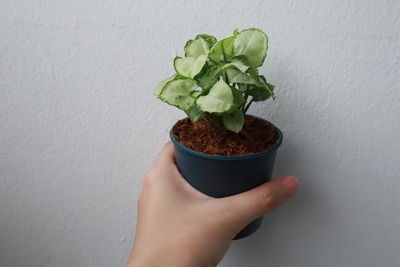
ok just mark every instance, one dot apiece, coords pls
pixel 289 185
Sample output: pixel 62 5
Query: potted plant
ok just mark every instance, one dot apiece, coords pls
pixel 219 149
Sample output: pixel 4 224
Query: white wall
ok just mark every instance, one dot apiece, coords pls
pixel 79 125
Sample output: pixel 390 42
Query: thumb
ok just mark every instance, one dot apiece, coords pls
pixel 248 206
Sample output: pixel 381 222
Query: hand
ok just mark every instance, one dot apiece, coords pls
pixel 180 226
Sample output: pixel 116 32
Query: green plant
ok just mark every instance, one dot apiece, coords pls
pixel 219 78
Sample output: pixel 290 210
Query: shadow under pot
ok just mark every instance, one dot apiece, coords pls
pixel 221 176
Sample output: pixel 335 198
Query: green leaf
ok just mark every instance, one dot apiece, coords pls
pixel 234 121
pixel 208 76
pixel 218 100
pixel 159 87
pixel 194 113
pixel 259 93
pixel 222 50
pixel 196 48
pixel 253 72
pixel 271 86
pixel 238 99
pixel 237 63
pixel 211 40
pixel 178 93
pixel 253 44
pixel 243 87
pixel 189 67
pixel 264 81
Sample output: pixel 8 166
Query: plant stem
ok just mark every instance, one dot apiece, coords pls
pixel 226 77
pixel 247 106
pixel 246 96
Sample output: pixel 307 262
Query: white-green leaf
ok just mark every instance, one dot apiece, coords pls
pixel 194 113
pixel 196 48
pixel 211 40
pixel 236 76
pixel 178 93
pixel 195 94
pixel 234 121
pixel 222 49
pixel 237 64
pixel 253 44
pixel 189 67
pixel 208 76
pixel 218 100
pixel 219 77
pixel 159 87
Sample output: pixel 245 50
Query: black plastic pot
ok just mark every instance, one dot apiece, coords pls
pixel 221 176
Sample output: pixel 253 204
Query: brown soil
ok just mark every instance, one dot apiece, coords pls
pixel 203 136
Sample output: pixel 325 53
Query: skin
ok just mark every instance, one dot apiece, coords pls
pixel 180 226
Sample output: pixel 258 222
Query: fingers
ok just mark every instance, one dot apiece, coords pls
pixel 248 206
pixel 166 156
pixel 164 167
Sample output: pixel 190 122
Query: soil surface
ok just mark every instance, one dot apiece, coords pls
pixel 203 136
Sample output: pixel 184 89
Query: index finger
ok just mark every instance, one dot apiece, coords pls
pixel 166 156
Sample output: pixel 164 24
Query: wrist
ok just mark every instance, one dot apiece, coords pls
pixel 160 260
pixel 137 260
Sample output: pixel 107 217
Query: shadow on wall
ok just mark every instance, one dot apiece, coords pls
pixel 293 221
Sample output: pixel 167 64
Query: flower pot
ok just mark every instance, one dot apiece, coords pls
pixel 221 176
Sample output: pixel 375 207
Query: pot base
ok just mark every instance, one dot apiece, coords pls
pixel 249 229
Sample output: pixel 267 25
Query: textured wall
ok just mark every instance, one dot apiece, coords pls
pixel 79 125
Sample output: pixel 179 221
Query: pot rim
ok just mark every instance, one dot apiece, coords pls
pixel 222 157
